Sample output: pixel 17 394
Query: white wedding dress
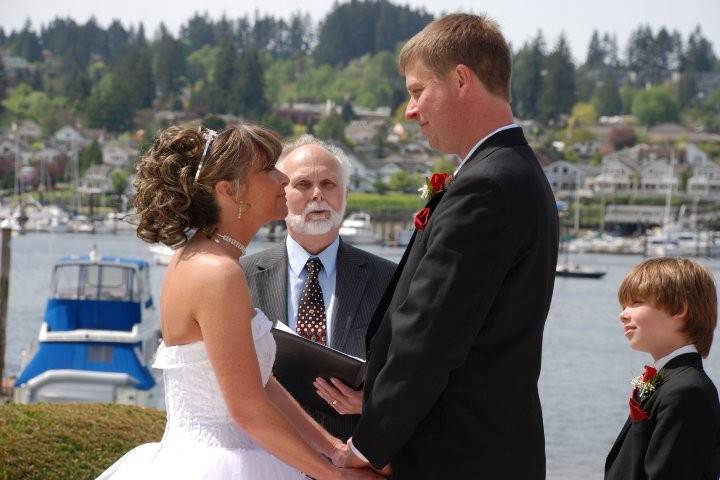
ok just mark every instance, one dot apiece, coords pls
pixel 201 440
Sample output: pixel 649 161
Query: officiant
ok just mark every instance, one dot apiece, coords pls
pixel 319 286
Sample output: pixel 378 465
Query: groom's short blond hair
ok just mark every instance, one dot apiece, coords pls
pixel 472 40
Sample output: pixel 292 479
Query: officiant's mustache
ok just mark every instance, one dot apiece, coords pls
pixel 300 222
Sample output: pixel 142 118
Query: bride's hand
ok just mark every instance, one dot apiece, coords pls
pixel 339 396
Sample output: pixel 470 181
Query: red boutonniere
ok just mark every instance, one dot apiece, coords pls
pixel 421 218
pixel 436 183
pixel 647 382
pixel 643 386
pixel 637 414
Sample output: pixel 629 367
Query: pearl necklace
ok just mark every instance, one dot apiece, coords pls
pixel 232 241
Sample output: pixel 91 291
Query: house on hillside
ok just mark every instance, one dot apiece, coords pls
pixel 118 156
pixel 657 178
pixel 565 177
pixel 705 182
pixel 617 175
pixel 71 138
pixel 96 179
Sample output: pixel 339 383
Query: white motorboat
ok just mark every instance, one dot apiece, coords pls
pixel 357 229
pixel 93 345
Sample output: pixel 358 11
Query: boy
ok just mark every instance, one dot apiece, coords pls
pixel 673 431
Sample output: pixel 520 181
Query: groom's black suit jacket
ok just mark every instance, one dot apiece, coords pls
pixel 451 389
pixel 680 438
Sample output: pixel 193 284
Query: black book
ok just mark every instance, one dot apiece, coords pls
pixel 299 362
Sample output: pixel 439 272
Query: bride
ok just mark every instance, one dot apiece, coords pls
pixel 227 417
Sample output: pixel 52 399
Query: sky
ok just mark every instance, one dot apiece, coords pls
pixel 520 20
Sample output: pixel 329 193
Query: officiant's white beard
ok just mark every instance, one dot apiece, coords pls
pixel 298 223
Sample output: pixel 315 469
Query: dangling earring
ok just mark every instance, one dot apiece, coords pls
pixel 242 208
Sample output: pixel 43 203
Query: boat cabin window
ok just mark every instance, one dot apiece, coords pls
pixel 65 283
pixel 96 282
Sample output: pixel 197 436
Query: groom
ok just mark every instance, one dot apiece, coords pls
pixel 451 388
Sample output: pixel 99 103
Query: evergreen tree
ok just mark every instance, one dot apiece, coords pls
pixel 558 93
pixel 3 37
pixel 251 85
pixel 26 43
pixel 75 84
pixel 640 52
pixel 90 155
pixel 687 89
pixel 606 98
pixel 699 56
pixel 3 85
pixel 108 106
pixel 118 41
pixel 169 65
pixel 223 94
pixel 527 78
pixel 198 32
pixel 358 27
pixel 596 52
pixel 136 68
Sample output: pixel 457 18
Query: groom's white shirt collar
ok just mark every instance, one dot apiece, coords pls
pixel 482 140
pixel 660 363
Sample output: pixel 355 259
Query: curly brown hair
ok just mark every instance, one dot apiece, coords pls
pixel 169 201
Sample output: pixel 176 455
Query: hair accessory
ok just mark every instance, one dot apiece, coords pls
pixel 209 136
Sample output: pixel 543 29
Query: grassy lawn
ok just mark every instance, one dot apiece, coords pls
pixel 389 201
pixel 72 441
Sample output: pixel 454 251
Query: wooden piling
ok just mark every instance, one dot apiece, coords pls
pixel 5 236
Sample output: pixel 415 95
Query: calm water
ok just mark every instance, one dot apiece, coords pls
pixel 587 365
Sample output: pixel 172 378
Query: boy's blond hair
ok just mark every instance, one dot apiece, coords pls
pixel 671 285
pixel 472 40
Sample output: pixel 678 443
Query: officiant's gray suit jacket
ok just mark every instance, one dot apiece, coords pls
pixel 361 279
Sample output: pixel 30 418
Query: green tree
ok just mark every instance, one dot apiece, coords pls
pixel 654 106
pixel 699 56
pixel 3 85
pixel 108 106
pixel 331 127
pixel 443 165
pixel 119 181
pixel 90 155
pixel 583 114
pixel 26 43
pixel 380 187
pixel 687 89
pixel 606 97
pixel 281 125
pixel 558 95
pixel 224 94
pixel 527 78
pixel 136 68
pixel 355 28
pixel 251 86
pixel 400 182
pixel 169 65
pixel 24 102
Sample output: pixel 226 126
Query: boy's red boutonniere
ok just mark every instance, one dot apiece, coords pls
pixel 436 183
pixel 647 382
pixel 644 385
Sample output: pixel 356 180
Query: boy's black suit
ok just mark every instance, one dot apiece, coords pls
pixel 680 440
pixel 451 389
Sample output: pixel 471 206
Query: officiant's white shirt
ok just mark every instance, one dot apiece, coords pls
pixel 297 275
